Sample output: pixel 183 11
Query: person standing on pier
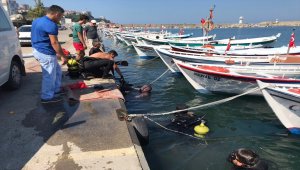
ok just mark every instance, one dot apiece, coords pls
pixel 45 49
pixel 91 34
pixel 78 40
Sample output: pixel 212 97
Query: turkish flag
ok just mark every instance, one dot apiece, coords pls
pixel 202 21
pixel 292 40
pixel 228 46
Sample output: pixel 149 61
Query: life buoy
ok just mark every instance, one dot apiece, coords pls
pixel 208 25
pixel 208 46
pixel 230 61
pixel 215 68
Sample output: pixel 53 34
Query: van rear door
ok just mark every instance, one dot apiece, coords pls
pixel 7 45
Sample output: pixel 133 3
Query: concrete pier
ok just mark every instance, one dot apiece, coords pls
pixel 85 134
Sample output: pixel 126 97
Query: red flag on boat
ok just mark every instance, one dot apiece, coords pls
pixel 292 40
pixel 228 45
pixel 202 21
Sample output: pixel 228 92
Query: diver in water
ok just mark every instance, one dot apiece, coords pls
pixel 246 159
pixel 185 118
pixel 143 91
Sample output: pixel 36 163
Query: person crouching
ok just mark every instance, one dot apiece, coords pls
pixel 101 64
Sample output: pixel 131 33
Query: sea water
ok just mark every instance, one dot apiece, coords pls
pixel 244 122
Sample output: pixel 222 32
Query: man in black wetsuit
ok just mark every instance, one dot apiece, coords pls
pixel 101 64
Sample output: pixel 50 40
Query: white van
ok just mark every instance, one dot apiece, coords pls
pixel 11 63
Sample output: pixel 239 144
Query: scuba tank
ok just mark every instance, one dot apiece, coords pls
pixel 73 68
pixel 73 65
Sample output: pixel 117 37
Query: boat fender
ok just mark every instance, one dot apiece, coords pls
pixel 157 37
pixel 141 129
pixel 201 130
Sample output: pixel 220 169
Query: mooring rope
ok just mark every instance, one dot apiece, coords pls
pixel 161 74
pixel 197 107
pixel 145 62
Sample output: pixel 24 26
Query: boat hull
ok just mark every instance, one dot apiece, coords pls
pixel 145 52
pixel 285 105
pixel 168 61
pixel 202 58
pixel 224 82
pixel 264 41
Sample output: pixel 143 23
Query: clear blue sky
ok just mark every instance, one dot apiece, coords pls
pixel 183 11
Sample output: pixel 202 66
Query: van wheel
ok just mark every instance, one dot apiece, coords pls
pixel 15 77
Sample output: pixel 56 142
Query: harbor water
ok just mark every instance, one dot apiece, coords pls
pixel 244 122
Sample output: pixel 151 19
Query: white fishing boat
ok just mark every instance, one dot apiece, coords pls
pixel 256 50
pixel 129 39
pixel 146 51
pixel 213 49
pixel 227 59
pixel 161 40
pixel 284 99
pixel 285 70
pixel 119 37
pixel 204 58
pixel 168 61
pixel 225 80
pixel 178 36
pixel 264 41
pixel 263 51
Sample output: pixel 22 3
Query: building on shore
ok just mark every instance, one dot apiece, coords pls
pixel 241 20
pixel 11 6
pixel 23 8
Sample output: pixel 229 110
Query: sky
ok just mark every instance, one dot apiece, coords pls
pixel 182 11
